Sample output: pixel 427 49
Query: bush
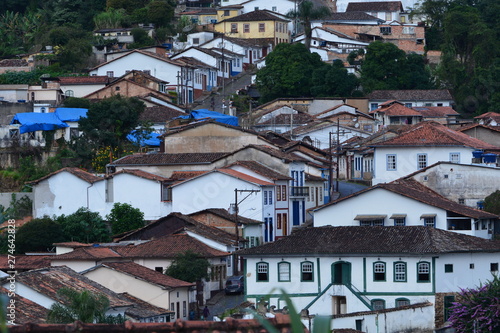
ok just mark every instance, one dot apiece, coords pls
pixel 124 217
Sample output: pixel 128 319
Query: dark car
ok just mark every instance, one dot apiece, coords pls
pixel 235 285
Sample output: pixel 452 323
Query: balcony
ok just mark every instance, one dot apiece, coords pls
pixel 299 191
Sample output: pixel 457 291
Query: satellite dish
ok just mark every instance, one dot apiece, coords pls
pixel 187 28
pixel 356 125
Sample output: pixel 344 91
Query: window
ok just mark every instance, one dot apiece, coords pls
pixel 159 269
pixel 423 272
pixel 227 12
pixel 399 272
pixel 117 88
pixel 429 220
pixel 74 133
pixel 283 192
pixel 471 266
pixel 391 162
pixel 306 271
pixel 400 221
pixel 461 201
pixel 448 303
pixel 166 192
pixel 402 302
pixel 69 93
pixel 262 27
pixel 246 28
pixel 371 223
pixel 385 30
pixel 408 30
pixel 265 198
pixel 14 133
pixel 455 157
pixel 270 197
pixel 284 272
pixel 388 16
pixel 278 193
pixel 110 74
pixel 378 304
pixel 184 309
pixel 494 267
pixel 147 71
pixel 278 221
pixel 274 9
pixel 373 106
pixel 421 161
pixel 256 8
pixel 262 272
pixel 234 27
pixel 379 271
pixel 408 105
pixel 196 41
pixel 448 268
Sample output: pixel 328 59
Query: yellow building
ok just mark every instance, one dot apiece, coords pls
pixel 226 12
pixel 256 24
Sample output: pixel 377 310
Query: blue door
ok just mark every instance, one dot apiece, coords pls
pixel 296 212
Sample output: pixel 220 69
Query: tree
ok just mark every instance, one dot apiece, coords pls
pixel 84 226
pixel 333 81
pixel 161 13
pixel 124 217
pixel 141 38
pixel 477 310
pixel 305 13
pixel 110 19
pixel 492 203
pixel 110 120
pixel 83 306
pixel 188 266
pixel 386 67
pixel 288 72
pixel 38 235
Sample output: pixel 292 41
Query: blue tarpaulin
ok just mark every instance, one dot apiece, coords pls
pixel 71 114
pixel 151 140
pixel 34 121
pixel 220 117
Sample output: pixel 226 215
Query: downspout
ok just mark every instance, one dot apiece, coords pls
pixel 92 184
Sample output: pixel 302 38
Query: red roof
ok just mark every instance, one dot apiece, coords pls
pixel 430 133
pixel 395 109
pixel 66 80
pixel 140 173
pixel 83 175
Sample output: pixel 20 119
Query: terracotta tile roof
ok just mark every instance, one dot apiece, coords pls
pixel 139 173
pixel 182 128
pixel 48 281
pixel 223 213
pixel 410 188
pixel 281 322
pixel 245 177
pixel 183 175
pixel 169 246
pixel 436 111
pixel 355 240
pixel 67 80
pixel 375 6
pixel 286 157
pixel 431 133
pixel 169 159
pixel 396 109
pixel 486 115
pixel 141 309
pixel 256 15
pixel 143 273
pixel 287 119
pixel 194 62
pixel 416 95
pixel 13 63
pixel 88 253
pixel 26 311
pixel 313 178
pixel 25 262
pixel 352 15
pixel 83 175
pixel 261 169
pixel 159 114
pixel 471 126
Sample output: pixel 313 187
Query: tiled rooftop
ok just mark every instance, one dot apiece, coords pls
pixel 169 159
pixel 67 80
pixel 84 175
pixel 141 174
pixel 26 311
pixel 436 111
pixel 396 109
pixel 142 309
pixel 352 240
pixel 256 15
pixel 25 262
pixel 430 133
pixel 160 114
pixel 352 15
pixel 261 169
pixel 375 6
pixel 224 214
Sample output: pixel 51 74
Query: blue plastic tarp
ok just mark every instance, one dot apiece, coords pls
pixel 152 139
pixel 34 121
pixel 220 117
pixel 71 114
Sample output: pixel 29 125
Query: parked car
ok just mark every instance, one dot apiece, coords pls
pixel 235 285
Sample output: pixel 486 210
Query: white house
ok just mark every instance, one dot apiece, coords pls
pixel 209 57
pixel 411 98
pixel 369 278
pixel 80 86
pixel 146 284
pixel 421 145
pixel 405 203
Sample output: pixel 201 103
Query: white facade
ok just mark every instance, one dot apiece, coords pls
pixel 388 209
pixel 321 136
pixel 80 90
pixel 407 160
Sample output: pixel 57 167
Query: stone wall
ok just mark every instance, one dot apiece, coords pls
pixel 439 309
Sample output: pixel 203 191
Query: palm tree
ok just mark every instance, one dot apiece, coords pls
pixel 83 306
pixel 305 13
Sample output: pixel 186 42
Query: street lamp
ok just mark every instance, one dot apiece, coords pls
pixel 233 209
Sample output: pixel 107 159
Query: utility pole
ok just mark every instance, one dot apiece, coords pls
pixel 235 212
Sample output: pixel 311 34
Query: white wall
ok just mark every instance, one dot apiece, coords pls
pixel 216 190
pixel 407 160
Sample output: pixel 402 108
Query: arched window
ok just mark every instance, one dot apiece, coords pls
pixel 379 270
pixel 262 272
pixel 399 272
pixel 69 93
pixel 307 271
pixel 284 271
pixel 423 272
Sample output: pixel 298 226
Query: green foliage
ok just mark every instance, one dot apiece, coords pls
pixel 84 226
pixel 386 67
pixel 75 102
pixel 288 72
pixel 477 310
pixel 124 217
pixel 32 77
pixel 492 203
pixel 160 12
pixel 333 81
pixel 189 266
pixel 109 121
pixel 305 13
pixel 38 235
pixel 83 306
pixel 111 19
pixel 141 38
